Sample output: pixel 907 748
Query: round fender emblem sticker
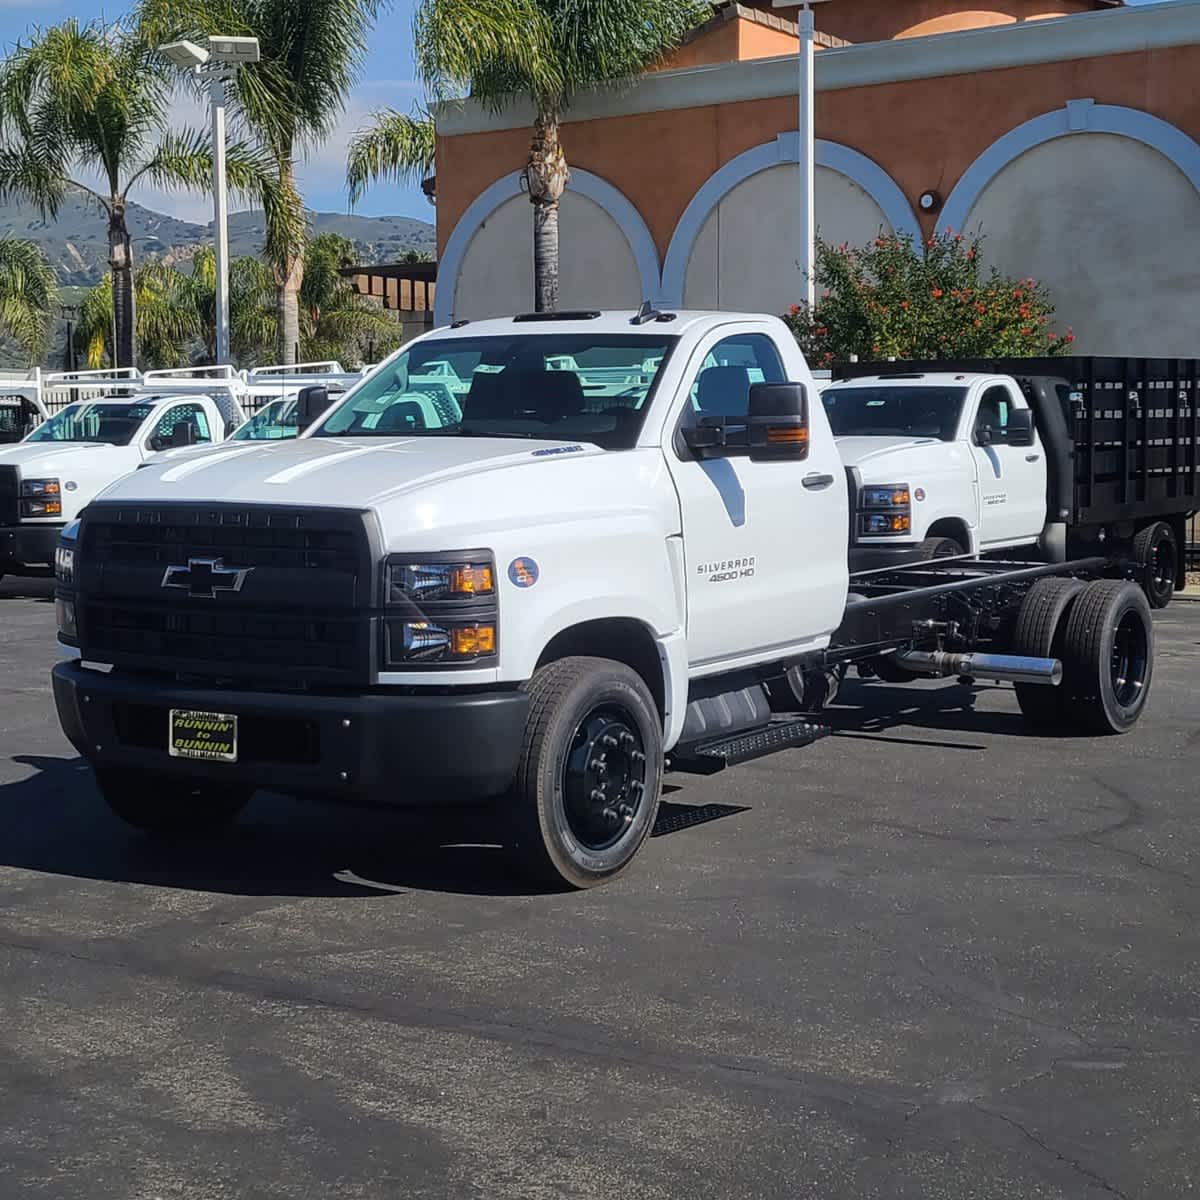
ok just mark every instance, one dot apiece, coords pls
pixel 523 572
pixel 919 493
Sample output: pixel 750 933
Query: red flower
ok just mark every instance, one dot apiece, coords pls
pixel 904 305
pixel 1023 310
pixel 794 310
pixel 938 293
pixel 822 330
pixel 1026 331
pixel 970 255
pixel 1017 294
pixel 1069 338
pixel 978 322
pixel 981 308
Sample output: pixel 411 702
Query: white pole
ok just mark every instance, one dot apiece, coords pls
pixel 808 137
pixel 216 92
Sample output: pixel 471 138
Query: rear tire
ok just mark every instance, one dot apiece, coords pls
pixel 1039 633
pixel 939 547
pixel 1156 552
pixel 169 805
pixel 589 779
pixel 1108 657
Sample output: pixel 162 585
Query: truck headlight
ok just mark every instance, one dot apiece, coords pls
pixel 41 498
pixel 442 609
pixel 424 581
pixel 885 509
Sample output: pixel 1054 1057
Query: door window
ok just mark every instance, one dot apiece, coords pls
pixel 993 414
pixel 731 367
pixel 178 415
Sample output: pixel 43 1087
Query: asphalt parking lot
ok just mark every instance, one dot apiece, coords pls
pixel 929 957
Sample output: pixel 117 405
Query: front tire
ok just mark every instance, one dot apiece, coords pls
pixel 1108 657
pixel 933 548
pixel 169 805
pixel 1156 552
pixel 589 780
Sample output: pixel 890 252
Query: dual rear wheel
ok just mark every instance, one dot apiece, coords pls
pixel 1103 633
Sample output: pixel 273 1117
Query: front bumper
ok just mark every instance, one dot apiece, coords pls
pixel 373 747
pixel 28 545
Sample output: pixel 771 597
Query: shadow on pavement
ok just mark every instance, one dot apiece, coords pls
pixel 871 710
pixel 56 823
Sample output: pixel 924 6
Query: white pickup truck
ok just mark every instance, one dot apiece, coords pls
pixel 118 421
pixel 541 599
pixel 1054 457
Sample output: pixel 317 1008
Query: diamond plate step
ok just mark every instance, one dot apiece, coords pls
pixel 707 758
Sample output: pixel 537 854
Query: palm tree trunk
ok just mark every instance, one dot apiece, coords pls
pixel 120 260
pixel 289 275
pixel 546 176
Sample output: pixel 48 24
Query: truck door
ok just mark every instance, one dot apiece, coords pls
pixel 1011 479
pixel 764 542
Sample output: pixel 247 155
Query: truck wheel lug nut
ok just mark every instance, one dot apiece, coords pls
pixel 609 814
pixel 598 796
pixel 628 741
pixel 598 765
pixel 609 741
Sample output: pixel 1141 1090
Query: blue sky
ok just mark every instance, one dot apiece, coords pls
pixel 387 82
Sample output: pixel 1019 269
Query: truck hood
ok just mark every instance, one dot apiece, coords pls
pixel 861 451
pixel 45 459
pixel 339 472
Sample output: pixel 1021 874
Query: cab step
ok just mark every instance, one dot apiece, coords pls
pixel 709 757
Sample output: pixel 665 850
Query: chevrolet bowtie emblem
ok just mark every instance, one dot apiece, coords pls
pixel 205 577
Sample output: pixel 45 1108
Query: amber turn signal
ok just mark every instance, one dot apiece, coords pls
pixel 473 640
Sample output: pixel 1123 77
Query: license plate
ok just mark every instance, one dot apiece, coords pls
pixel 211 736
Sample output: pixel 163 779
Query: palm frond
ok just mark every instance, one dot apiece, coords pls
pixel 28 295
pixel 395 146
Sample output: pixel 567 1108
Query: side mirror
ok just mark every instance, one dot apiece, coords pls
pixel 778 422
pixel 1020 427
pixel 983 435
pixel 311 402
pixel 184 434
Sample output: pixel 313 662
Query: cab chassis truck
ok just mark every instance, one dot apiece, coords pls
pixel 541 607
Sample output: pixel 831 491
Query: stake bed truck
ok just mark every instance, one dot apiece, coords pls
pixel 539 596
pixel 1056 457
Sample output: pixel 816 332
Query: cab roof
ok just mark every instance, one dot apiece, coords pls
pixel 912 379
pixel 667 323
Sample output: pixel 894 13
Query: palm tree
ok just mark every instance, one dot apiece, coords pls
pixel 28 295
pixel 334 320
pixel 82 99
pixel 498 51
pixel 290 100
pixel 167 317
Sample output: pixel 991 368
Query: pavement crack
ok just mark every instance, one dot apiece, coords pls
pixel 1075 1165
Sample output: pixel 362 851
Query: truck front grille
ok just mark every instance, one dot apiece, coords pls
pixel 10 496
pixel 229 592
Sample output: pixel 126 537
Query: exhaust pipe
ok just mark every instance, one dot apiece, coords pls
pixel 1007 668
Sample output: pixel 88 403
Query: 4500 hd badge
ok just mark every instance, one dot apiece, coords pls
pixel 729 570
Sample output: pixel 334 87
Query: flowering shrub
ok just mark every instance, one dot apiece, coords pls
pixel 896 299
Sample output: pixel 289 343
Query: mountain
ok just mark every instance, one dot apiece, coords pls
pixel 76 241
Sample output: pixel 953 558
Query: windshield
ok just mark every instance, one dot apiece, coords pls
pixel 919 412
pixel 93 421
pixel 553 386
pixel 273 422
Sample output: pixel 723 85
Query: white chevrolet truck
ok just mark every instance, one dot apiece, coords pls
pixel 1054 457
pixel 118 421
pixel 538 598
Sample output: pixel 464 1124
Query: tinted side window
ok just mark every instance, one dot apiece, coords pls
pixel 722 385
pixel 993 412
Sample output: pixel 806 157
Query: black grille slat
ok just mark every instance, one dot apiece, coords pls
pixel 10 496
pixel 303 611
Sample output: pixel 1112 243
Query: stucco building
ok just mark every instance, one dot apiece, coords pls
pixel 1066 130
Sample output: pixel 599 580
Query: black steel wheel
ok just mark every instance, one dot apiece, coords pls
pixel 1108 657
pixel 1039 633
pixel 590 776
pixel 169 805
pixel 1156 551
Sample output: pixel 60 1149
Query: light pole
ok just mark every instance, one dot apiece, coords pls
pixel 807 197
pixel 216 66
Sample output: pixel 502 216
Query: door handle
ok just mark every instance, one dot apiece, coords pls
pixel 815 483
pixel 1032 457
